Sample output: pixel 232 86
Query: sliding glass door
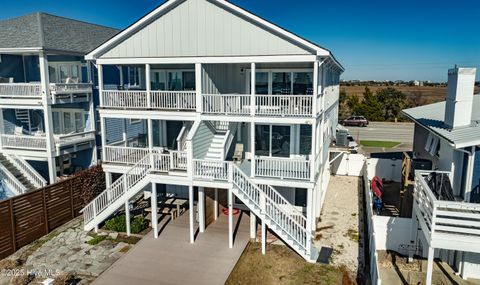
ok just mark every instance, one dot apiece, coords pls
pixel 272 140
pixel 279 82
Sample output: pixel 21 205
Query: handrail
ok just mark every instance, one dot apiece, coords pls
pixel 32 175
pixel 24 141
pixel 284 201
pixel 12 181
pixel 20 89
pixel 241 185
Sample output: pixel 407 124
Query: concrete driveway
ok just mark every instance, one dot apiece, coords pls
pixel 172 259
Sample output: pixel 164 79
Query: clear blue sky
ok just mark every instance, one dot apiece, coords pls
pixel 373 39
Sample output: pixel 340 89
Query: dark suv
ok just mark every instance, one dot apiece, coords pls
pixel 359 121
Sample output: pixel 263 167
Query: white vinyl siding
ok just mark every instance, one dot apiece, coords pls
pixel 201 28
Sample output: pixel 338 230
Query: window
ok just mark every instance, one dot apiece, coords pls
pixel 64 72
pixel 272 140
pixel 174 80
pixel 305 139
pixel 281 83
pixel 300 197
pixel 261 83
pixel 79 126
pixel 56 122
pixel 188 80
pixel 68 123
pixel 134 76
pixel 432 145
pixel 302 83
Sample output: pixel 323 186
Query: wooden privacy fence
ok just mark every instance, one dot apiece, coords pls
pixel 29 216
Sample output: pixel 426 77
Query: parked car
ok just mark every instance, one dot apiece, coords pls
pixel 359 121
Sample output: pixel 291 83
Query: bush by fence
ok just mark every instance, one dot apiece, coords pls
pixel 29 216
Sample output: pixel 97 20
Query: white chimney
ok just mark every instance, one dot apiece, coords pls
pixel 459 103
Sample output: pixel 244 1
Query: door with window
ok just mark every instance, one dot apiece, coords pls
pixel 65 72
pixel 272 140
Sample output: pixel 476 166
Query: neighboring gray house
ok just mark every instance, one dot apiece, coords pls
pixel 46 98
pixel 448 134
pixel 213 102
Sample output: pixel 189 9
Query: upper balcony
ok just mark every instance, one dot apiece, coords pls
pixel 285 90
pixel 447 224
pixel 31 93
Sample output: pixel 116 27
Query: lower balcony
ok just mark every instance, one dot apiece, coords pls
pixel 30 93
pixel 39 142
pixel 131 155
pixel 157 100
pixel 445 222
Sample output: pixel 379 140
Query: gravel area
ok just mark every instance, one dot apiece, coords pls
pixel 64 252
pixel 340 223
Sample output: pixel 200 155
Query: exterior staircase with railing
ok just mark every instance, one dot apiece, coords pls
pixel 23 115
pixel 18 180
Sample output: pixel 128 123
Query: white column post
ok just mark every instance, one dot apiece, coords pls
pixel 127 217
pixel 148 84
pixel 191 213
pixel 154 210
pixel 100 83
pixel 252 88
pixel 313 151
pixel 264 237
pixel 124 135
pixel 431 254
pixel 108 179
pixel 253 225
pixel 469 177
pixel 230 218
pixel 91 112
pixel 150 140
pixel 47 112
pixel 103 136
pixel 198 87
pixel 310 217
pixel 252 148
pixel 215 204
pixel 201 208
pixel 315 89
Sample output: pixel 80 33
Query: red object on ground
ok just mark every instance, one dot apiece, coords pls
pixel 234 211
pixel 377 186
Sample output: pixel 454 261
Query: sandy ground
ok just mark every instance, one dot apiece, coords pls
pixel 340 219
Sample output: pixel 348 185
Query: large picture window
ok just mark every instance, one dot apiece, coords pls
pixel 69 121
pixel 278 82
pixel 172 80
pixel 272 140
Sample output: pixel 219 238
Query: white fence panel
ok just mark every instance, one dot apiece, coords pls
pixel 388 169
pixel 349 165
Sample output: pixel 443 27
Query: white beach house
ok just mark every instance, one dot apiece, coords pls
pixel 214 101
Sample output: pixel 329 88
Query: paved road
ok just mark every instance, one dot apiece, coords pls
pixel 400 132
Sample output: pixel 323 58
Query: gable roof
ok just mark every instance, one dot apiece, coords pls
pixel 432 117
pixel 41 31
pixel 271 33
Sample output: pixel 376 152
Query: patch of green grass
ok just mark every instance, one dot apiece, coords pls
pixel 385 144
pixel 96 240
pixel 352 234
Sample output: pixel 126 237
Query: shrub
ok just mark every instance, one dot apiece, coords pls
pixel 138 225
pixel 117 224
pixel 96 240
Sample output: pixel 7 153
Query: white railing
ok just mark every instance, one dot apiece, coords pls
pixel 445 218
pixel 236 104
pixel 208 169
pixel 124 155
pixel 279 200
pixel 117 190
pixel 67 88
pixel 22 90
pixel 24 142
pixel 289 168
pixel 272 205
pixel 124 99
pixel 11 181
pixel 178 159
pixel 32 175
pixel 164 100
pixel 174 100
pixel 62 140
pixel 267 201
pixel 284 105
pixel 372 242
pixel 125 185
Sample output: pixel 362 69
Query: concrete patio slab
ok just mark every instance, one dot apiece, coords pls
pixel 172 259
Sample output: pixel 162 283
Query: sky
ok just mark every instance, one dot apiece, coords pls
pixel 374 40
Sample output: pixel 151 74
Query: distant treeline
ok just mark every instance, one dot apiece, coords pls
pixel 385 104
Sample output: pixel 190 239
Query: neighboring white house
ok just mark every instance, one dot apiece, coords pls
pixel 214 100
pixel 448 134
pixel 47 124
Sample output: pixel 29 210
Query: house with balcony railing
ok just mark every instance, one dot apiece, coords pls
pixel 47 120
pixel 210 97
